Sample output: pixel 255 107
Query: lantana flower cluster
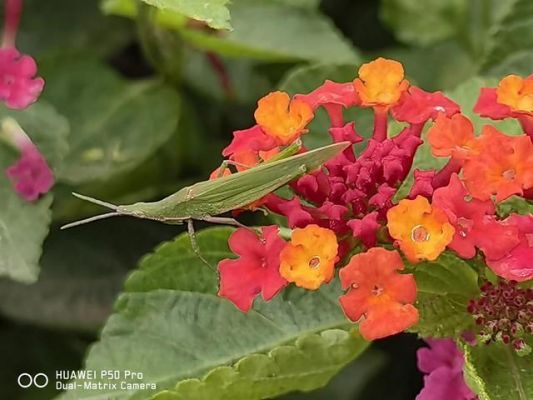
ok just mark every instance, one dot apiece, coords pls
pixel 348 218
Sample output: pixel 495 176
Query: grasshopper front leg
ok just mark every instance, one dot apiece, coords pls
pixel 194 243
pixel 225 165
pixel 223 221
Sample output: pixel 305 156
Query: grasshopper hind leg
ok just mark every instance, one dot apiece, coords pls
pixel 194 244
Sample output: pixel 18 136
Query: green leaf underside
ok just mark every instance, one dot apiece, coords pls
pixel 304 35
pixel 213 12
pixel 24 225
pixel 496 372
pixel 184 332
pixel 511 42
pixel 115 124
pixel 444 288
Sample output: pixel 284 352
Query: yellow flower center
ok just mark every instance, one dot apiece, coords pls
pixel 420 234
pixel 509 174
pixel 314 262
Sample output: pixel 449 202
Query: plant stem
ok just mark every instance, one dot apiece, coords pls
pixel 380 124
pixel 13 10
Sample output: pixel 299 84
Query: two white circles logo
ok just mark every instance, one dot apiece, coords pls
pixel 26 380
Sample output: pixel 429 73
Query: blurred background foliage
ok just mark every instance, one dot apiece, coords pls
pixel 139 101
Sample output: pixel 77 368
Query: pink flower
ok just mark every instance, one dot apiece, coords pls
pixel 30 175
pixel 417 106
pixel 256 271
pixel 18 85
pixel 516 262
pixel 443 364
pixel 474 222
pixel 366 229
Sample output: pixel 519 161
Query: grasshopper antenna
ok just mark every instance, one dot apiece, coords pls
pixel 95 201
pixel 113 207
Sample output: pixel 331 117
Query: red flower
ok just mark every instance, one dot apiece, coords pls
pixel 379 293
pixel 474 223
pixel 417 106
pixel 423 184
pixel 503 165
pixel 517 262
pixel 255 271
pixel 333 97
pixel 252 140
pixel 452 137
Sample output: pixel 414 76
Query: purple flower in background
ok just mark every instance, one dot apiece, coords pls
pixel 30 175
pixel 443 364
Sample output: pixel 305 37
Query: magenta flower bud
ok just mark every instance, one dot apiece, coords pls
pixel 30 175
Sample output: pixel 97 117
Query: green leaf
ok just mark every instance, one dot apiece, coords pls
pixel 214 13
pixel 305 34
pixel 63 25
pixel 300 3
pixel 511 43
pixel 444 288
pixel 74 295
pixel 515 204
pixel 24 225
pixel 350 382
pixel 306 365
pixel 435 21
pixel 184 337
pixel 496 372
pixel 181 266
pixel 425 68
pixel 116 124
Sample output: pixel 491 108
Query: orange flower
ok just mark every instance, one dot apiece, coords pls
pixel 451 136
pixel 422 231
pixel 282 118
pixel 516 92
pixel 309 258
pixel 380 83
pixel 379 293
pixel 502 167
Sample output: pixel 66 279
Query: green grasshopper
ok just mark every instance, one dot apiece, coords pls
pixel 205 200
